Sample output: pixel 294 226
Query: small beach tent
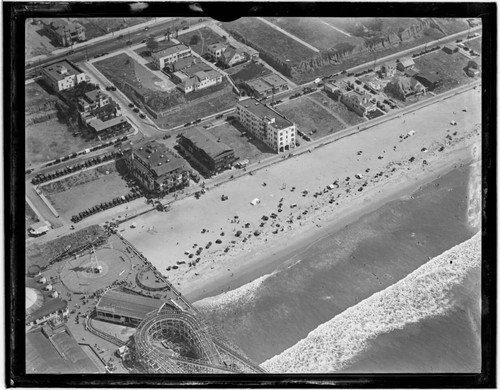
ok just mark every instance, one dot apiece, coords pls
pixel 255 201
pixel 39 228
pixel 411 132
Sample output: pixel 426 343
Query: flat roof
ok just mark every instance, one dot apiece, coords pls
pixel 51 305
pixel 92 96
pixel 170 50
pixel 406 61
pixel 42 357
pixel 61 70
pixel 199 66
pixel 259 85
pixel 161 160
pixel 204 140
pixel 99 125
pixel 274 79
pixel 128 305
pixel 261 110
pixel 217 46
pixel 38 225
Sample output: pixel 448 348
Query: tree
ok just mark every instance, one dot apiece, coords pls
pixel 151 44
pixel 194 40
pixel 168 33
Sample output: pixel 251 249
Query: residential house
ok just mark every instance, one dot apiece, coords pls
pixel 63 75
pixel 266 124
pixel 170 54
pixel 211 155
pixel 63 32
pixel 450 48
pixel 404 87
pixel 232 56
pixel 473 69
pixel 336 88
pixel 429 80
pixel 181 64
pixel 388 69
pixel 110 128
pixel 278 83
pixel 360 102
pixel 263 87
pixel 200 80
pixel 91 101
pixel 405 63
pixel 411 72
pixel 157 168
pixel 215 50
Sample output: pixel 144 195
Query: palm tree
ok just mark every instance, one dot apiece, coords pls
pixel 168 33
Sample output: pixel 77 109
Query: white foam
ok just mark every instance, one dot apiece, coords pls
pixel 422 294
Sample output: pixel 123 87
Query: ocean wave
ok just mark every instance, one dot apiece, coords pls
pixel 238 296
pixel 424 293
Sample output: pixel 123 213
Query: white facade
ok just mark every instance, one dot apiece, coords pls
pixel 63 76
pixel 170 55
pixel 267 125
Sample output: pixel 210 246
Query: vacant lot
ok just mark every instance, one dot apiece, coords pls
pixel 30 217
pixel 210 105
pixel 340 109
pixel 474 44
pixel 49 140
pixel 316 32
pixel 450 68
pixel 271 40
pixel 200 39
pixel 36 44
pixel 96 27
pixel 245 149
pixel 102 188
pixel 308 117
pixel 247 71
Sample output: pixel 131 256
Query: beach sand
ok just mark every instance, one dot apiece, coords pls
pixel 164 237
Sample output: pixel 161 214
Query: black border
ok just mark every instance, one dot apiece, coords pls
pixel 14 15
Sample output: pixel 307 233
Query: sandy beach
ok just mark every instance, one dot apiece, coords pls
pixel 390 161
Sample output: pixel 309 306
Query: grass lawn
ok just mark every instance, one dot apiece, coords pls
pixel 206 36
pixel 229 134
pixel 51 139
pixel 315 31
pixel 350 117
pixel 144 52
pixel 96 27
pixel 36 44
pixel 247 71
pixel 102 189
pixel 271 40
pixel 475 44
pixel 450 68
pixel 308 116
pixel 210 105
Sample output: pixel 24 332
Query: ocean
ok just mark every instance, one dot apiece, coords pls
pixel 268 316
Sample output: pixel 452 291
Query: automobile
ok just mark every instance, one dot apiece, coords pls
pixel 131 105
pixel 136 110
pixel 142 116
pixel 453 123
pixel 167 136
pixel 146 28
pixel 144 40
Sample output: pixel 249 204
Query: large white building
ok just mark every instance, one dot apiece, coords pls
pixel 266 124
pixel 170 55
pixel 63 75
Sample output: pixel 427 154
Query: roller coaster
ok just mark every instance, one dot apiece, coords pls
pixel 196 352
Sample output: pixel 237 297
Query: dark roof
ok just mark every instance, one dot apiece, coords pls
pixel 183 63
pixel 59 24
pixel 57 70
pixel 50 305
pixel 432 78
pixel 94 95
pixel 42 356
pixel 128 305
pixel 262 111
pixel 259 85
pixel 161 160
pixel 411 72
pixel 198 67
pixel 274 80
pixel 205 141
pixel 170 50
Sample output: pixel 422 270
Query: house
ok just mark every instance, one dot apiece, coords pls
pixel 215 50
pixel 266 124
pixel 210 154
pixel 63 75
pixel 429 81
pixel 200 80
pixel 170 54
pixel 404 87
pixel 180 64
pixel 450 48
pixel 109 128
pixel 405 63
pixel 263 87
pixel 92 100
pixel 388 69
pixel 411 72
pixel 63 32
pixel 39 228
pixel 472 68
pixel 336 88
pixel 158 169
pixel 361 103
pixel 232 56
pixel 278 83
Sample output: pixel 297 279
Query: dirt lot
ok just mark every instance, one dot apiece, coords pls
pixel 230 134
pixel 51 139
pixel 247 71
pixel 315 31
pixel 350 117
pixel 475 44
pixel 36 44
pixel 308 117
pixel 210 105
pixel 450 68
pixel 206 36
pixel 101 188
pixel 96 27
pixel 271 40
pixel 30 217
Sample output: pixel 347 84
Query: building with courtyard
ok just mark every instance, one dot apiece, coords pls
pixel 158 169
pixel 211 155
pixel 170 54
pixel 263 87
pixel 63 32
pixel 266 124
pixel 113 127
pixel 63 75
pixel 198 81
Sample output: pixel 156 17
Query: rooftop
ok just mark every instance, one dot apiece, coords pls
pixel 430 77
pixel 170 50
pixel 51 305
pixel 38 225
pixel 199 66
pixel 259 85
pixel 217 46
pixel 406 61
pixel 61 70
pixel 94 95
pixel 158 158
pixel 204 140
pixel 262 111
pixel 128 305
pixel 99 125
pixel 60 24
pixel 183 62
pixel 274 80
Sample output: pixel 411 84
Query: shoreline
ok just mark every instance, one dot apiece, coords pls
pixel 253 268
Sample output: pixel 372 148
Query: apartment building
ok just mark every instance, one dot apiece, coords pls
pixel 63 75
pixel 170 55
pixel 63 32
